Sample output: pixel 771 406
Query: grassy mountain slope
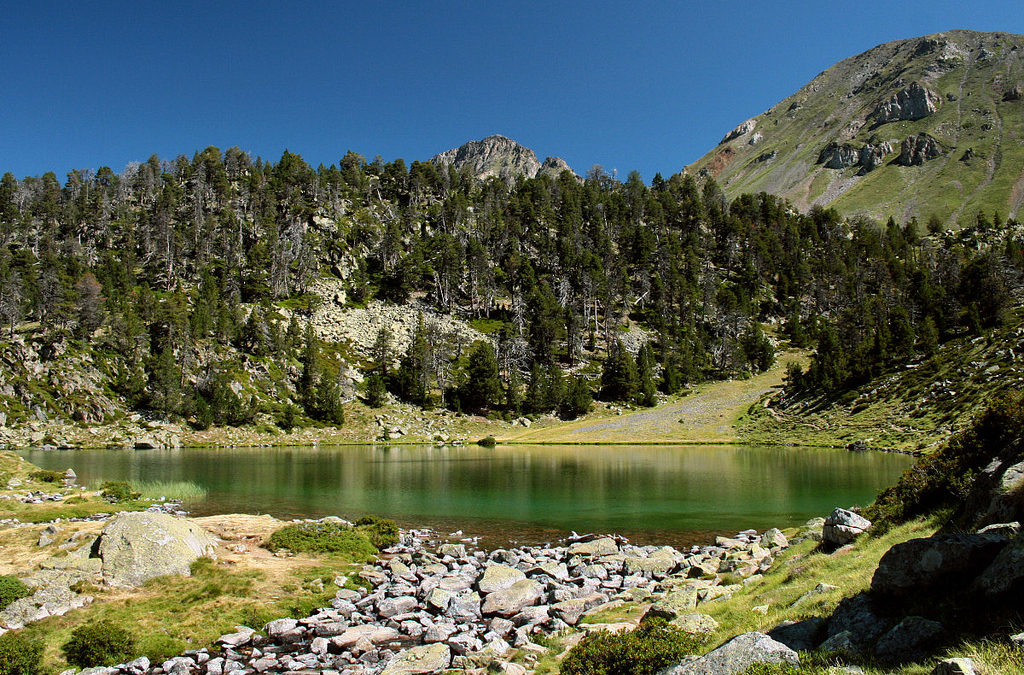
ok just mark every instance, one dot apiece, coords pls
pixel 978 123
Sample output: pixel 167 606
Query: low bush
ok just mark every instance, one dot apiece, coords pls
pixel 11 589
pixel 943 479
pixel 653 646
pixel 20 654
pixel 487 442
pixel 99 644
pixel 47 476
pixel 334 538
pixel 116 491
pixel 381 532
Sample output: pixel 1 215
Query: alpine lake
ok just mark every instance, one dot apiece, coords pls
pixel 520 494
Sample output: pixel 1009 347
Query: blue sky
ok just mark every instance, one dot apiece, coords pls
pixel 628 85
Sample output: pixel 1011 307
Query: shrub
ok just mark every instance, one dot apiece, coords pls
pixel 20 654
pixel 11 589
pixel 381 532
pixel 115 491
pixel 321 537
pixel 487 442
pixel 47 476
pixel 653 646
pixel 99 644
pixel 944 478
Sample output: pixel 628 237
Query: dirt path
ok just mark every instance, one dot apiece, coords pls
pixel 708 415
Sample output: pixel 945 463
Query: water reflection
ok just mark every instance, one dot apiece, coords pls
pixel 527 493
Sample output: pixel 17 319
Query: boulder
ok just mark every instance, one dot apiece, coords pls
pixel 932 562
pixel 602 546
pixel 135 547
pixel 910 640
pixel 369 632
pixel 513 599
pixel 737 655
pixel 857 616
pixel 695 623
pixel 842 527
pixel 675 603
pixel 954 667
pixel 432 658
pixel 1004 577
pixel 801 636
pixel 498 578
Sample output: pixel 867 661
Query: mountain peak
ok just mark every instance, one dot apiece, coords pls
pixel 500 156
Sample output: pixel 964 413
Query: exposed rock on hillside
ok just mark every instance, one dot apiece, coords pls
pixel 499 156
pixel 960 88
pixel 916 150
pixel 911 103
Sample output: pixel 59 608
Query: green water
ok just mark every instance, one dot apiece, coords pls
pixel 529 494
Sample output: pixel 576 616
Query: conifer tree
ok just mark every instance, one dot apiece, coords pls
pixel 619 377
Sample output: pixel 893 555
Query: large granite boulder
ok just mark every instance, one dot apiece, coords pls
pixel 1004 578
pixel 842 527
pixel 513 599
pixel 736 655
pixel 909 640
pixel 498 578
pixel 135 547
pixel 935 561
pixel 432 658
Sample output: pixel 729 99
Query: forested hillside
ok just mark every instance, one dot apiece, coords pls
pixel 185 289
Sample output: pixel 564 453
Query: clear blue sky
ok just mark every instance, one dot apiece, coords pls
pixel 628 85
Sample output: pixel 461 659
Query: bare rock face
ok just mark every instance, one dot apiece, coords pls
pixel 842 527
pixel 916 150
pixel 499 156
pixel 740 130
pixel 868 157
pixel 911 103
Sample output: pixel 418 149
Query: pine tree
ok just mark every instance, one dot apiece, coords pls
pixel 481 382
pixel 619 377
pixel 578 400
pixel 646 392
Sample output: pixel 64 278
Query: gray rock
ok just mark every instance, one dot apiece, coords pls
pixel 740 130
pixel 1005 576
pixel 857 616
pixel 910 640
pixel 438 600
pixel 48 535
pixel 465 606
pixel 954 667
pixel 513 599
pixel 675 604
pixel 1008 530
pixel 430 658
pixel 935 561
pixel 842 527
pixel 597 547
pixel 916 150
pixel 695 623
pixel 240 638
pixel 911 103
pixel 801 636
pixel 138 546
pixel 389 607
pixel 370 633
pixel 736 655
pixel 498 578
pixel 569 611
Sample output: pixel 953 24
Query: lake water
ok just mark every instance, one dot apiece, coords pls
pixel 525 494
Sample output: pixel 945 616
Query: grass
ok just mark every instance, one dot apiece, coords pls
pixel 184 491
pixel 171 614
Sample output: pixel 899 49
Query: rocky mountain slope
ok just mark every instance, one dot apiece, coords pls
pixel 930 126
pixel 499 156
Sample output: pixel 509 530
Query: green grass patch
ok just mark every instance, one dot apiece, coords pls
pixel 11 589
pixel 184 491
pixel 653 646
pixel 331 538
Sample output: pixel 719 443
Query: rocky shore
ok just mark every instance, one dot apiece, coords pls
pixel 434 609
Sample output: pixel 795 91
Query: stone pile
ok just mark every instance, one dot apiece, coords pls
pixel 453 608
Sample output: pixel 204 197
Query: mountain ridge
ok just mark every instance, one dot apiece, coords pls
pixel 917 128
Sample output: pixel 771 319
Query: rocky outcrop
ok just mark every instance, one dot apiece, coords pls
pixel 737 655
pixel 836 156
pixel 912 103
pixel 135 547
pixel 916 150
pixel 740 130
pixel 498 156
